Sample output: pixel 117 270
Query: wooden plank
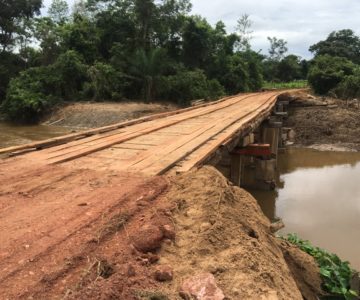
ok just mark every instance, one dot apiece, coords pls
pixel 203 153
pixel 164 159
pixel 165 148
pixel 253 150
pixel 137 128
pixel 75 136
pixel 120 139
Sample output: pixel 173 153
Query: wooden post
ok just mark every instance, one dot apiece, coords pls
pixel 235 169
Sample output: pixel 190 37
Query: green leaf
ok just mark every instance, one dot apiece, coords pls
pixel 325 272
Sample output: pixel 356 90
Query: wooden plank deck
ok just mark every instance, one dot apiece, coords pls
pixel 154 145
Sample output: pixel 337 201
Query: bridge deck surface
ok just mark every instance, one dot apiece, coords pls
pixel 53 202
pixel 178 141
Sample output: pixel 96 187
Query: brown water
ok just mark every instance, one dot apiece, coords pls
pixel 11 135
pixel 318 197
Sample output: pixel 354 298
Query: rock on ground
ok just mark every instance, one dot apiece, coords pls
pixel 201 287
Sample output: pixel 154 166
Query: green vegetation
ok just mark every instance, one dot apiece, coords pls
pixel 335 273
pixel 335 68
pixel 296 84
pixel 150 50
pixel 127 49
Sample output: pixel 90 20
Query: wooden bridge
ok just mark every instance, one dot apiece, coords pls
pixel 59 196
pixel 176 141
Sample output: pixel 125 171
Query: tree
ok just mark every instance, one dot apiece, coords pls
pixel 59 11
pixel 148 67
pixel 71 74
pixel 12 12
pixel 326 72
pixel 236 78
pixel 189 85
pixel 243 28
pixel 196 42
pixel 82 36
pixel 168 26
pixel 106 82
pixel 289 69
pixel 349 87
pixel 145 11
pixel 10 66
pixel 49 35
pixel 116 29
pixel 343 43
pixel 30 94
pixel 277 48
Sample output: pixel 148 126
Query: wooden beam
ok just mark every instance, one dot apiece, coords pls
pixel 254 150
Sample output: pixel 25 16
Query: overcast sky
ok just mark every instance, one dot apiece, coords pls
pixel 300 22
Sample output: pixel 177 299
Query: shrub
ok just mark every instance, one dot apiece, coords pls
pixel 28 95
pixel 349 87
pixel 335 273
pixel 236 79
pixel 105 82
pixel 71 73
pixel 10 65
pixel 326 72
pixel 189 85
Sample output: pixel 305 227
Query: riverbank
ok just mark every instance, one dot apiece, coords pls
pixel 88 115
pixel 325 124
pixel 76 117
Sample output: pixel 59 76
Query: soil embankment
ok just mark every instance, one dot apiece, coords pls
pixel 325 123
pixel 143 240
pixel 94 114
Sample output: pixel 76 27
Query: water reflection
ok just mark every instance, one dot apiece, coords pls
pixel 11 135
pixel 318 197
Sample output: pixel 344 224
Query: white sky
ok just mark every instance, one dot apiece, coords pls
pixel 302 23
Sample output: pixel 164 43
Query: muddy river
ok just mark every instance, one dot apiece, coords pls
pixel 11 135
pixel 318 197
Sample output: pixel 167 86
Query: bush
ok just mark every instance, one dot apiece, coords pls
pixel 189 85
pixel 349 87
pixel 71 73
pixel 326 72
pixel 28 95
pixel 10 65
pixel 335 273
pixel 106 83
pixel 236 79
pixel 289 69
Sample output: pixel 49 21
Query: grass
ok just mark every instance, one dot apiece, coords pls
pixel 297 84
pixel 336 274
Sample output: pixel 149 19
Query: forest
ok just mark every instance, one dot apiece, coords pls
pixel 116 50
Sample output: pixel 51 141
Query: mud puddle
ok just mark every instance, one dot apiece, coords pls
pixel 318 197
pixel 12 135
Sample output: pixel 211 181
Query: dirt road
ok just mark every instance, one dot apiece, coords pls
pixel 66 220
pixel 52 218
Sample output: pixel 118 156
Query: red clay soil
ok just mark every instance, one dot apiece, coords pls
pixel 61 228
pixel 68 233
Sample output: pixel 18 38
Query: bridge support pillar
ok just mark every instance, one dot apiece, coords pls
pixel 271 133
pixel 235 168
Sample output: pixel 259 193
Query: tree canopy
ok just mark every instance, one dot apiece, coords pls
pixel 343 43
pixel 127 49
pixel 13 14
